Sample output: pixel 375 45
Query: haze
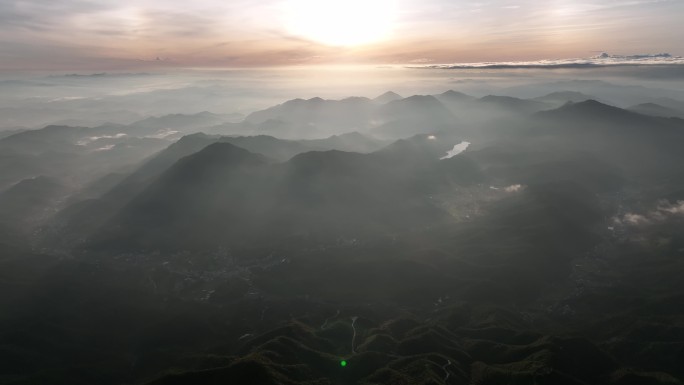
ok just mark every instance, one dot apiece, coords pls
pixel 341 192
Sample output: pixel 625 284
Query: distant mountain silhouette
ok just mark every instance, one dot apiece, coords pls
pixel 670 103
pixel 457 102
pixel 81 152
pixel 30 194
pixel 561 97
pixel 11 131
pixel 387 97
pixel 97 210
pixel 234 195
pixel 356 188
pixel 328 115
pixel 413 115
pixel 643 146
pixel 619 94
pixel 50 138
pixel 182 122
pixel 351 141
pixel 29 203
pixel 594 110
pixel 511 104
pixel 452 96
pixel 318 117
pixel 657 110
pixel 417 104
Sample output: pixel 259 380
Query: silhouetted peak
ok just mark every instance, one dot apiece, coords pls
pixel 39 183
pixel 455 95
pixel 109 125
pixel 590 105
pixel 215 158
pixel 568 94
pixel 422 145
pixel 350 135
pixel 653 107
pixel 203 114
pixel 414 101
pixel 59 127
pixel 329 163
pixel 355 100
pixel 292 102
pixel 298 102
pixel 206 113
pixel 648 105
pixel 498 98
pixel 191 137
pixel 514 104
pixel 505 100
pixel 192 140
pixel 225 152
pixel 658 110
pixel 565 96
pixel 44 134
pixel 313 158
pixel 420 98
pixel 387 97
pixel 592 109
pixel 593 102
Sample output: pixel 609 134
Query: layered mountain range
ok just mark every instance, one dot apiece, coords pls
pixel 441 239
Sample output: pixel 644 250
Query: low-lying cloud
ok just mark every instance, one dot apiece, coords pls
pixel 664 211
pixel 90 139
pixel 513 188
pixel 459 148
pixel 602 60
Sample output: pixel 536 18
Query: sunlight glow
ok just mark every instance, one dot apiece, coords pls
pixel 340 22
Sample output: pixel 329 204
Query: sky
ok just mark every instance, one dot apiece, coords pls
pixel 110 35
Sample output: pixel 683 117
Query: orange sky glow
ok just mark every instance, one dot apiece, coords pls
pixel 127 34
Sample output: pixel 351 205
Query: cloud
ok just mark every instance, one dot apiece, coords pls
pixel 513 188
pixel 162 134
pixel 673 209
pixel 88 140
pixel 602 60
pixel 459 148
pixel 105 148
pixel 44 16
pixel 99 75
pixel 635 219
pixel 664 211
pixel 88 35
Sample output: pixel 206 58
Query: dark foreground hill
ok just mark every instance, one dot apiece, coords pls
pixel 224 195
pixel 446 306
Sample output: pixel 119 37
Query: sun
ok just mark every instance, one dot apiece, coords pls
pixel 340 22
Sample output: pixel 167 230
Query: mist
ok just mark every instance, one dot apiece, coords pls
pixel 34 100
pixel 392 224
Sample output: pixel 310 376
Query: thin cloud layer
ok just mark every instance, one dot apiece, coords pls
pixel 602 60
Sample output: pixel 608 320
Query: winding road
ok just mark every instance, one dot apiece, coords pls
pixel 446 372
pixel 328 319
pixel 353 336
